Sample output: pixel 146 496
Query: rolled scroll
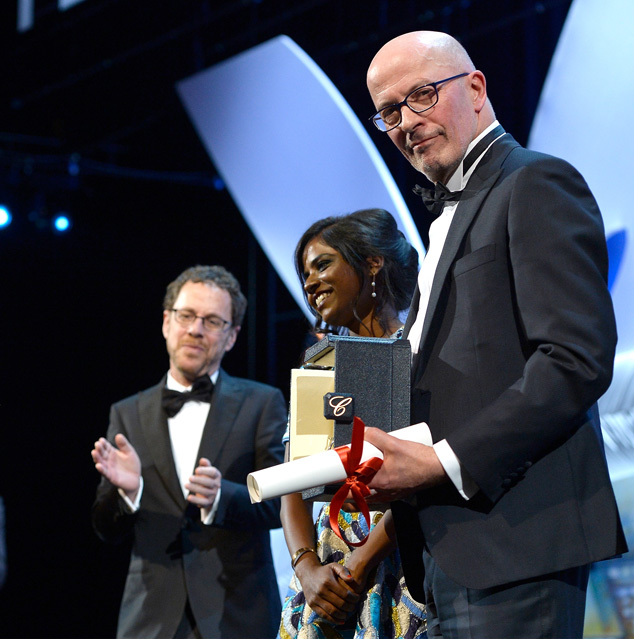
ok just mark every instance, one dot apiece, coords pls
pixel 320 469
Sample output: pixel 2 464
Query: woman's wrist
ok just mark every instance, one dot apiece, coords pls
pixel 306 565
pixel 300 554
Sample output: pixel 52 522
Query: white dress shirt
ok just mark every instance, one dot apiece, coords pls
pixel 185 431
pixel 437 235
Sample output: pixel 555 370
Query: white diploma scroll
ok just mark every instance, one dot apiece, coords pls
pixel 319 469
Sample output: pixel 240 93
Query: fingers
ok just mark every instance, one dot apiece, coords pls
pixel 329 597
pixel 384 496
pixel 333 612
pixel 206 471
pixel 203 485
pixel 101 450
pixel 202 501
pixel 344 575
pixel 101 456
pixel 377 438
pixel 121 441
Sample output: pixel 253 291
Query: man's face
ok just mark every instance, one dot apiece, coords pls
pixel 434 141
pixel 194 350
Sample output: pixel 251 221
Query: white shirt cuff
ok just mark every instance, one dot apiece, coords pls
pixel 132 507
pixel 206 515
pixel 458 475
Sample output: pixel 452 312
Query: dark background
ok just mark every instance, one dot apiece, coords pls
pixel 90 123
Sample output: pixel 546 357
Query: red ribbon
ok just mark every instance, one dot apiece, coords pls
pixel 358 477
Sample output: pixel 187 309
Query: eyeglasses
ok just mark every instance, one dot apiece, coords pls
pixel 419 100
pixel 211 323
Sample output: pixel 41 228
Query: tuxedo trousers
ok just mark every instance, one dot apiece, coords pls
pixel 546 607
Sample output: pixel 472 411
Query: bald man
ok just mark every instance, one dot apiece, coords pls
pixel 513 337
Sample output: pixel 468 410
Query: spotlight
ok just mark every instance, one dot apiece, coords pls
pixel 61 223
pixel 5 216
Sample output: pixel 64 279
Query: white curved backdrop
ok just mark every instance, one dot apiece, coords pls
pixel 288 147
pixel 585 116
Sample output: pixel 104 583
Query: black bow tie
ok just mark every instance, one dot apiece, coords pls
pixel 434 199
pixel 172 401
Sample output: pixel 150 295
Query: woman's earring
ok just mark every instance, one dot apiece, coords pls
pixel 373 285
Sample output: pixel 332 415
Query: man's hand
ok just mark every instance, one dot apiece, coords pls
pixel 407 467
pixel 120 466
pixel 204 484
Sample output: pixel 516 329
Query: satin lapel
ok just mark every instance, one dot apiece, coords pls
pixel 411 314
pixel 481 182
pixel 154 427
pixel 225 406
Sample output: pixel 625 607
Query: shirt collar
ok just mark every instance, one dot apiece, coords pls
pixel 458 181
pixel 172 384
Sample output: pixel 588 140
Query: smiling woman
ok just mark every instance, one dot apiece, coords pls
pixel 358 272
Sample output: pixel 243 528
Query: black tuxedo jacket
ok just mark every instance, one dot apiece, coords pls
pixel 517 346
pixel 226 569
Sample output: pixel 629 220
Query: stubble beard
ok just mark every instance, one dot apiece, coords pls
pixel 432 168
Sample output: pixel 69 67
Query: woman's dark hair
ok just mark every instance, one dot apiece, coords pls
pixel 358 236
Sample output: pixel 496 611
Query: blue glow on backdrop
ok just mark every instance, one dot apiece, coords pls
pixel 5 217
pixel 61 223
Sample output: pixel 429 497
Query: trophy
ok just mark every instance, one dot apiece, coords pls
pixel 343 377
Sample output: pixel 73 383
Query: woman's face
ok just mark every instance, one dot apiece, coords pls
pixel 332 287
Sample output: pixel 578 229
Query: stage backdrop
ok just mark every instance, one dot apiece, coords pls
pixel 584 116
pixel 288 147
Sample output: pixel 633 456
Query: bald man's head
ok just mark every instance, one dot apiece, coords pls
pixel 433 141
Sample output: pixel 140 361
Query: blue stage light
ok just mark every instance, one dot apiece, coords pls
pixel 5 216
pixel 61 223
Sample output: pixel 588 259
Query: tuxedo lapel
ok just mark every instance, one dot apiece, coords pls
pixel 476 191
pixel 226 402
pixel 411 314
pixel 155 431
pixel 463 217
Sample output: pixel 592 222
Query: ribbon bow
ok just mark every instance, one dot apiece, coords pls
pixel 434 199
pixel 172 401
pixel 358 477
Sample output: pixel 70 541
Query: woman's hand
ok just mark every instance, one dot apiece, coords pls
pixel 330 590
pixel 359 569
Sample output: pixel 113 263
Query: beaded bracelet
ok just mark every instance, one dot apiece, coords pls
pixel 299 554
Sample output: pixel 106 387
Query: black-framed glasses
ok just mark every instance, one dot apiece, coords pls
pixel 211 323
pixel 418 100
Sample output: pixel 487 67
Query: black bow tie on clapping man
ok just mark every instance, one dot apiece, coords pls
pixel 172 401
pixel 434 199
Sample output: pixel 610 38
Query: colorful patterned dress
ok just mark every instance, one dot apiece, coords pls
pixel 386 611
